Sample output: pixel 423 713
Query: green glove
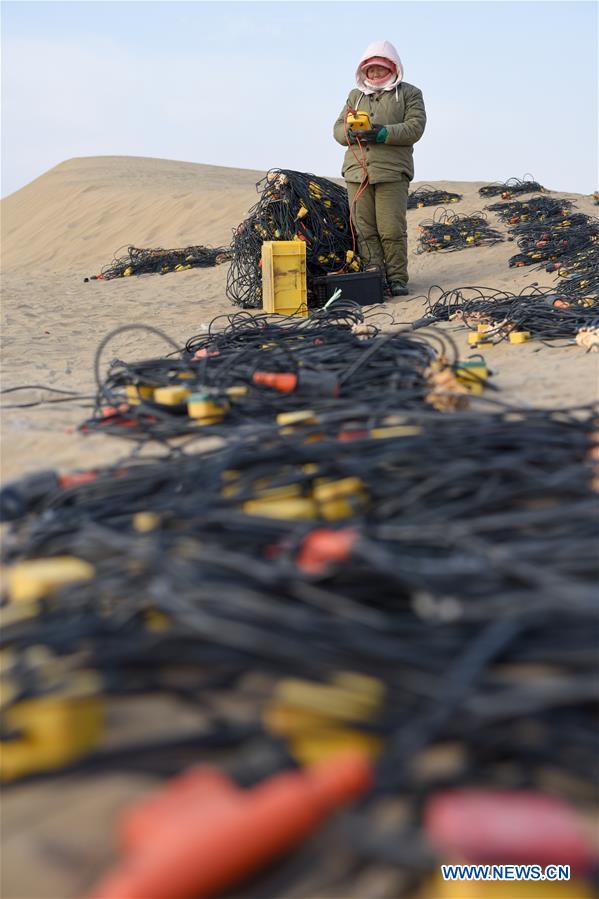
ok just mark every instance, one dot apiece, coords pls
pixel 376 135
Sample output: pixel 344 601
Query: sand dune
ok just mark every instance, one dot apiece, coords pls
pixel 70 222
pixel 80 212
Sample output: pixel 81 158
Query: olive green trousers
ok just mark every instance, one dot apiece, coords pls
pixel 379 217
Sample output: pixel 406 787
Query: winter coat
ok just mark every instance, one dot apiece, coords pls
pixel 401 111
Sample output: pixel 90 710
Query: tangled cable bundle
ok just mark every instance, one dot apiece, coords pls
pixel 499 315
pixel 446 231
pixel 567 245
pixel 159 261
pixel 264 371
pixel 510 187
pixel 431 196
pixel 579 275
pixel 556 241
pixel 537 209
pixel 429 583
pixel 292 206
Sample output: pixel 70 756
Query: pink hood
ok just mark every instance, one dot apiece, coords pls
pixel 387 51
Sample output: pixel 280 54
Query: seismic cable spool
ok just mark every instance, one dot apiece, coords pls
pixel 426 195
pixel 233 378
pixel 449 232
pixel 556 239
pixel 345 586
pixel 292 206
pixel 158 261
pixel 512 186
pixel 495 315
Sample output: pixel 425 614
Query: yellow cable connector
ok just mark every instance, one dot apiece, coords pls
pixel 237 391
pixel 519 336
pixel 36 578
pixel 230 486
pixel 54 731
pixel 171 396
pixel 206 410
pixel 156 621
pixel 345 700
pixel 286 491
pixel 395 431
pixel 143 522
pixel 308 749
pixel 338 499
pixel 316 719
pixel 138 392
pixel 287 509
pixel 289 421
pixel 473 374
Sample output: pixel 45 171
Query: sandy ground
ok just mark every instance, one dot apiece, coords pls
pixel 68 224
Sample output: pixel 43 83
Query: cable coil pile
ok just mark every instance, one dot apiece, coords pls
pixel 431 196
pixel 537 209
pixel 446 231
pixel 261 370
pixel 292 206
pixel 434 577
pixel 346 569
pixel 159 261
pixel 498 315
pixel 507 189
pixel 557 240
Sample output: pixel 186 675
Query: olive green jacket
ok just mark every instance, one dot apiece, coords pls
pixel 402 113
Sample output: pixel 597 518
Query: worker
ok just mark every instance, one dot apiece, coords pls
pixel 378 165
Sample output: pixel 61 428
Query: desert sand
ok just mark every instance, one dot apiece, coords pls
pixel 65 226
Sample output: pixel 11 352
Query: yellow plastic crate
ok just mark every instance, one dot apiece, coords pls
pixel 284 285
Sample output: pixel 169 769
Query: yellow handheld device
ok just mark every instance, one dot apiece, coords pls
pixel 358 121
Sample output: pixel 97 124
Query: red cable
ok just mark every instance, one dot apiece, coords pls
pixel 363 185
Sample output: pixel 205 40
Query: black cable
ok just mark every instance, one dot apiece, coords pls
pixel 293 206
pixel 158 261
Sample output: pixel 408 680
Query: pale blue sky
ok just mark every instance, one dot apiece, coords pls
pixel 510 87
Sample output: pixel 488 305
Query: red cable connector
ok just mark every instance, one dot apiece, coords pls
pixel 203 834
pixel 507 827
pixel 321 383
pixel 322 547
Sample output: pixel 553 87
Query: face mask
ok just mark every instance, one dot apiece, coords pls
pixel 381 84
